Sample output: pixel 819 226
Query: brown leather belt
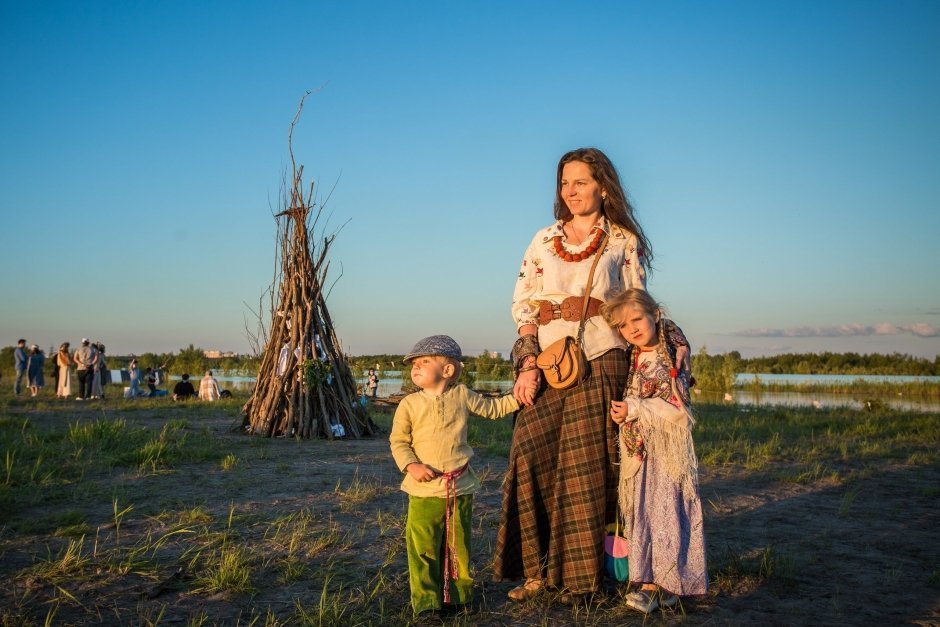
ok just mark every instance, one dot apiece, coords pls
pixel 569 309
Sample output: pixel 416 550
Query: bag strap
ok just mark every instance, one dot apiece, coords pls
pixel 587 290
pixel 586 299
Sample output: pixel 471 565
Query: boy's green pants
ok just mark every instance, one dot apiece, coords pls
pixel 424 537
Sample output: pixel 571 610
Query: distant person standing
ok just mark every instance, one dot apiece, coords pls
pixel 134 371
pixel 63 362
pixel 54 370
pixel 373 383
pixel 37 361
pixel 209 388
pixel 19 363
pixel 97 384
pixel 85 359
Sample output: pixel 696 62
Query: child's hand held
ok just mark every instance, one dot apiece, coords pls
pixel 618 411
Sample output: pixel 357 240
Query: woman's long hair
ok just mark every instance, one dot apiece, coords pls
pixel 616 206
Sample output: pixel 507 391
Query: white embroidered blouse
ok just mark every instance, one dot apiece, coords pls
pixel 546 276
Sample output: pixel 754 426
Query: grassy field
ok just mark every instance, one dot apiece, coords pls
pixel 148 512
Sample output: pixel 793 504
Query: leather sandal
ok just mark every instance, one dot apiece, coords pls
pixel 574 598
pixel 526 591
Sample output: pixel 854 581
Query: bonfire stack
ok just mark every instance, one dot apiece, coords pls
pixel 305 387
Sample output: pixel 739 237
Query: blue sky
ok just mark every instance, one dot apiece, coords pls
pixel 784 158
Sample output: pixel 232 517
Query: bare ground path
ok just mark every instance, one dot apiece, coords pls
pixel 286 532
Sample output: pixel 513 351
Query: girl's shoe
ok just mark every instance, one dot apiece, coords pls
pixel 647 601
pixel 526 591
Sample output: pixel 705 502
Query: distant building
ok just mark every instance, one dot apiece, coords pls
pixel 218 354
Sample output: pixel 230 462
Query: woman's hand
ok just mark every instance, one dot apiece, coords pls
pixel 527 386
pixel 422 472
pixel 682 359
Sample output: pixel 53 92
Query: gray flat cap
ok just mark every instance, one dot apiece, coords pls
pixel 443 345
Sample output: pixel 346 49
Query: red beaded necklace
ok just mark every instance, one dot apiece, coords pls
pixel 584 254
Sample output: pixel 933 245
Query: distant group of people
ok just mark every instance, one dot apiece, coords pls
pixel 92 375
pixel 149 377
pixel 90 367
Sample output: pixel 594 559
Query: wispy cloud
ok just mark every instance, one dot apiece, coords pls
pixel 854 329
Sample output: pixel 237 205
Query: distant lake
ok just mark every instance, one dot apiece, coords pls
pixel 818 399
pixel 796 379
pixel 392 385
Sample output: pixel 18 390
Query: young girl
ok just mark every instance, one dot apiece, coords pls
pixel 659 497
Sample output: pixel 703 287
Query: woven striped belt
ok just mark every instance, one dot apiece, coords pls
pixel 450 531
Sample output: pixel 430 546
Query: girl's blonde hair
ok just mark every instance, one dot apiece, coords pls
pixel 633 297
pixel 641 299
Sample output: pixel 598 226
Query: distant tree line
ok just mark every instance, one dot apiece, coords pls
pixel 718 372
pixel 842 363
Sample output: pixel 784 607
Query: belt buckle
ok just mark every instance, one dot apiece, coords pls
pixel 546 312
pixel 569 309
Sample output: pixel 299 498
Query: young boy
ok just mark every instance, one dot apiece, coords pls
pixel 429 444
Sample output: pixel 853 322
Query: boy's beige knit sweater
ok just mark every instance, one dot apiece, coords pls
pixel 432 430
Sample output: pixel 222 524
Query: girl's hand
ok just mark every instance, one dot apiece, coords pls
pixel 618 411
pixel 422 472
pixel 527 386
pixel 624 411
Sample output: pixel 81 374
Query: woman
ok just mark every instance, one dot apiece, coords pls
pixel 561 485
pixel 101 369
pixel 37 360
pixel 64 361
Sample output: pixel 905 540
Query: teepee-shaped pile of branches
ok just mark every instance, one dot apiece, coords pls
pixel 305 387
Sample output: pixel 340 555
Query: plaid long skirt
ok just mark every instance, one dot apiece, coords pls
pixel 561 486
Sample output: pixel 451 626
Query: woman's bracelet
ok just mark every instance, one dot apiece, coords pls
pixel 526 346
